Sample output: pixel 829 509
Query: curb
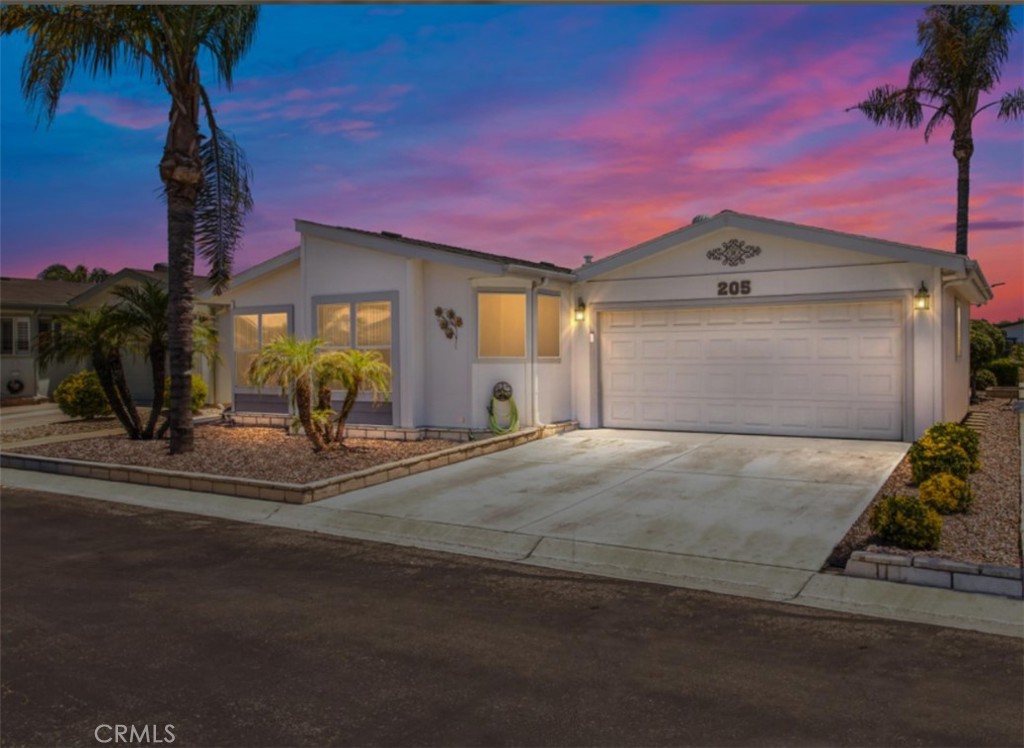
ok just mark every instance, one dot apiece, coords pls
pixel 290 493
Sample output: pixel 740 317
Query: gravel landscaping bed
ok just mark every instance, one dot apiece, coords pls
pixel 989 533
pixel 241 452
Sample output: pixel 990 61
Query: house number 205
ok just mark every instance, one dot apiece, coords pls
pixel 733 288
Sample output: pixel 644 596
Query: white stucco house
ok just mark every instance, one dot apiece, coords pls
pixel 733 324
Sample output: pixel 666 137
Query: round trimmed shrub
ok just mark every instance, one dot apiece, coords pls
pixel 985 379
pixel 907 522
pixel 962 436
pixel 946 493
pixel 199 392
pixel 930 456
pixel 81 396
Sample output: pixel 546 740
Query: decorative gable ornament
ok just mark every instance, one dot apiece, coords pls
pixel 734 252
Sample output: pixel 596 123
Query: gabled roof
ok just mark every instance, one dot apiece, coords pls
pixel 267 266
pixel 404 246
pixel 800 232
pixel 158 274
pixel 33 293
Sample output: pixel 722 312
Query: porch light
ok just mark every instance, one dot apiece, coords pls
pixel 581 310
pixel 922 299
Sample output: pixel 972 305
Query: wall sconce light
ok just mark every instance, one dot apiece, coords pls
pixel 581 310
pixel 922 299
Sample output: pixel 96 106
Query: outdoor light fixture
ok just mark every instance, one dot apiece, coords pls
pixel 922 299
pixel 581 310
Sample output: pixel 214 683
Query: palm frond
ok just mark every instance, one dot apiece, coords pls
pixel 1011 106
pixel 888 105
pixel 223 203
pixel 227 33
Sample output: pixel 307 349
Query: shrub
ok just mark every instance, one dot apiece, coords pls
pixel 985 379
pixel 80 396
pixel 946 493
pixel 1006 371
pixel 930 456
pixel 907 522
pixel 962 436
pixel 199 392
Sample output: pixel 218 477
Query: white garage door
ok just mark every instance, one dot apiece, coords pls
pixel 810 370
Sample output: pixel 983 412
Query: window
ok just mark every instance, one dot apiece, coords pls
pixel 365 325
pixel 14 336
pixel 549 329
pixel 959 312
pixel 252 332
pixel 501 317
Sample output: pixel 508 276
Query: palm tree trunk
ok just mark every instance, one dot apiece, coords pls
pixel 303 404
pixel 346 407
pixel 324 403
pixel 181 170
pixel 963 149
pixel 104 373
pixel 158 367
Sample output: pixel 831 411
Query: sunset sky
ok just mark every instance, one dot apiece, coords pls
pixel 543 132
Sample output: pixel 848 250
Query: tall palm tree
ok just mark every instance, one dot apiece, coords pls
pixel 963 48
pixel 96 336
pixel 290 363
pixel 142 317
pixel 205 176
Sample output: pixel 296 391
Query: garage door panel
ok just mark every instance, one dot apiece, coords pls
pixel 825 370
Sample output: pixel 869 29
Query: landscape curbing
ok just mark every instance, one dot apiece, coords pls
pixel 942 573
pixel 290 493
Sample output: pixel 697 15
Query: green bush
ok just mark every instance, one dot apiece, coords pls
pixel 985 379
pixel 907 522
pixel 199 392
pixel 930 456
pixel 1006 370
pixel 80 396
pixel 946 493
pixel 962 436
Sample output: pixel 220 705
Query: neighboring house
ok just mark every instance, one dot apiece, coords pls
pixel 1014 332
pixel 734 324
pixel 31 306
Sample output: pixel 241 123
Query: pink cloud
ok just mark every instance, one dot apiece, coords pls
pixel 115 110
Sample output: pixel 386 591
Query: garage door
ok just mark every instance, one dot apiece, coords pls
pixel 810 370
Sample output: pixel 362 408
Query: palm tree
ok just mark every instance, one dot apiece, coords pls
pixel 141 316
pixel 962 50
pixel 205 177
pixel 357 371
pixel 96 336
pixel 291 363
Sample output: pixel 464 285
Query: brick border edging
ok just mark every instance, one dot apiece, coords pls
pixel 292 493
pixel 928 571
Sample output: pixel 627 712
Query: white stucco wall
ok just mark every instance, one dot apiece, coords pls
pixel 956 379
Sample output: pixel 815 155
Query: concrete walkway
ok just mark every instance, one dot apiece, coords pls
pixel 749 516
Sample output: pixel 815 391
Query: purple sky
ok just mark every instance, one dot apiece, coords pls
pixel 544 132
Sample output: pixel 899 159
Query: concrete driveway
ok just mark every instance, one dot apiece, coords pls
pixel 746 510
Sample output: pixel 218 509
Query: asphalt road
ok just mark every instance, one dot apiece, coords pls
pixel 224 634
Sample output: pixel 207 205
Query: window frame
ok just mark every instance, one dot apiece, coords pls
pixel 286 309
pixel 521 292
pixel 557 295
pixel 18 346
pixel 352 300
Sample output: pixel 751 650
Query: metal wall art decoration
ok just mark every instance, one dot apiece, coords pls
pixel 449 322
pixel 734 252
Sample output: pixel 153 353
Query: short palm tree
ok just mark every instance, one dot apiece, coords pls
pixel 205 177
pixel 356 371
pixel 96 336
pixel 141 315
pixel 963 48
pixel 290 363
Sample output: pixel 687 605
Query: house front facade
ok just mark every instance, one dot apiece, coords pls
pixel 733 324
